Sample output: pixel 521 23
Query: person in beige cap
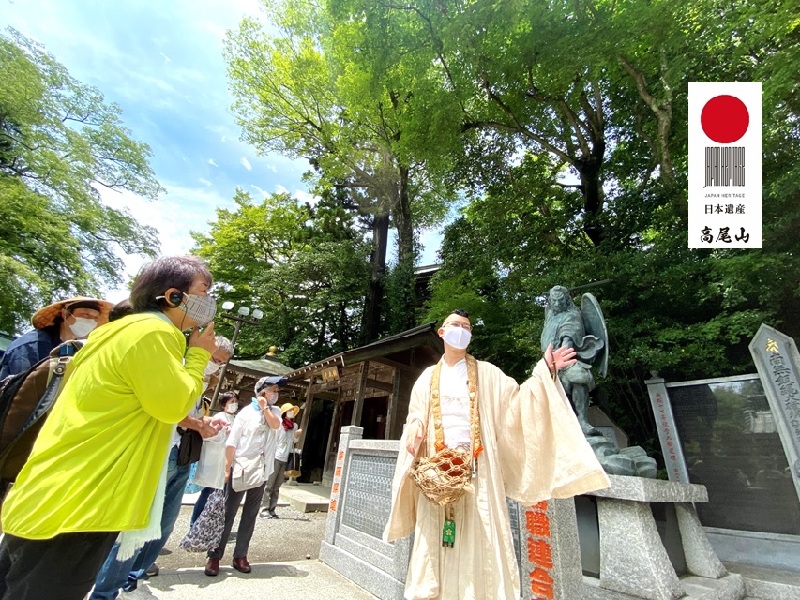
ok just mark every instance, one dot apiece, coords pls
pixel 288 432
pixel 70 319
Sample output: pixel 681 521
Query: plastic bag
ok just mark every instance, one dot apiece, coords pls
pixel 191 488
pixel 210 470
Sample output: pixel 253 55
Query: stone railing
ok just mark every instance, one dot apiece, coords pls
pixel 633 559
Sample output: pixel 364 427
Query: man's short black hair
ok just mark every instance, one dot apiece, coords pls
pixel 460 312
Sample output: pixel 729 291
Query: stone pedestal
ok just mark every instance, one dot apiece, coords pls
pixel 633 559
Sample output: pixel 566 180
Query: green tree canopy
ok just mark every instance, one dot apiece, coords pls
pixel 305 267
pixel 60 144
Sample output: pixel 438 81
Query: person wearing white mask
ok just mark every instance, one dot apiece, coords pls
pixel 229 401
pixel 96 476
pixel 523 442
pixel 70 319
pixel 118 574
pixel 248 464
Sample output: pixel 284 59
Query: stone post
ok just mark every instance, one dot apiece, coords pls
pixel 550 564
pixel 347 435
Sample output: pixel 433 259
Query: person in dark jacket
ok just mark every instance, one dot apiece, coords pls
pixel 70 319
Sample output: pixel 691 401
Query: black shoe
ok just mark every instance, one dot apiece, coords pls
pixel 152 570
pixel 212 567
pixel 130 585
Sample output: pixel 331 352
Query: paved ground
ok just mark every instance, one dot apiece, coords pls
pixel 306 580
pixel 292 537
pixel 284 554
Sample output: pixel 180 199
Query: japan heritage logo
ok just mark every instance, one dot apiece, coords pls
pixel 724 165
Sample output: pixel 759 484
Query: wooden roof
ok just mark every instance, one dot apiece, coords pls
pixel 410 351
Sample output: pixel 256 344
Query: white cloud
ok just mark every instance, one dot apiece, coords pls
pixel 246 163
pixel 212 163
pixel 304 197
pixel 166 58
pixel 180 211
pixel 264 193
pixel 205 182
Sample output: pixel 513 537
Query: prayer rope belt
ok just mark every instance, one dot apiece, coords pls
pixel 444 477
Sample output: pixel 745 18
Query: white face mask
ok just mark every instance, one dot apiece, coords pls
pixel 272 398
pixel 231 407
pixel 457 337
pixel 211 368
pixel 82 327
pixel 200 309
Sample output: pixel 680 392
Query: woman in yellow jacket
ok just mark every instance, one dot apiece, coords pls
pixel 95 469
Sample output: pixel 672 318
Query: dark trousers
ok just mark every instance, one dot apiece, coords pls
pixel 200 504
pixel 61 568
pixel 246 524
pixel 273 486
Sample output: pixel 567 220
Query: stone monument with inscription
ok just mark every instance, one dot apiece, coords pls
pixel 778 364
pixel 739 436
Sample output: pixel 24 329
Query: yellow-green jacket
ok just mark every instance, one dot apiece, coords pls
pixel 96 463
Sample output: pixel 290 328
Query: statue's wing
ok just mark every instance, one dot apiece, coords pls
pixel 595 325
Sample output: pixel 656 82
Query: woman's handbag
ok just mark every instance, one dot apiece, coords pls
pixel 293 464
pixel 248 473
pixel 190 446
pixel 206 532
pixel 210 470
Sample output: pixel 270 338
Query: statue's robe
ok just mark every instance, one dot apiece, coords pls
pixel 533 450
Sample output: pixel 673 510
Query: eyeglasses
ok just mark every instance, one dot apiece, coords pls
pixel 466 326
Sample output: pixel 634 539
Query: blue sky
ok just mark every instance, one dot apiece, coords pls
pixel 161 62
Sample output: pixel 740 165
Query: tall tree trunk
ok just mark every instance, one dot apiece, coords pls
pixel 406 254
pixel 371 321
pixel 592 191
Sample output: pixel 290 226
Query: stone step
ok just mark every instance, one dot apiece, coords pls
pixel 305 497
pixel 768 584
pixel 730 587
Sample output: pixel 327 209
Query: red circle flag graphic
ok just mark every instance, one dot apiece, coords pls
pixel 725 119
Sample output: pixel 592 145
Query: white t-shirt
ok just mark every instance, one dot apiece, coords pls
pixel 251 436
pixel 196 412
pixel 454 399
pixel 285 441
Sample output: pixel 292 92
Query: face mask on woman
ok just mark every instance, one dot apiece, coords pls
pixel 200 309
pixel 231 407
pixel 457 337
pixel 272 398
pixel 211 368
pixel 82 327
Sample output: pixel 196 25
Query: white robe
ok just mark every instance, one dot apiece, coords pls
pixel 533 450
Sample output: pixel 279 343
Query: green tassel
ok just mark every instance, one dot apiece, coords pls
pixel 449 533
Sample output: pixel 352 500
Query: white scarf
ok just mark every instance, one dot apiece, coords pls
pixel 130 541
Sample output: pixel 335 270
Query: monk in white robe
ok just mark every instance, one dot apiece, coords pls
pixel 533 450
